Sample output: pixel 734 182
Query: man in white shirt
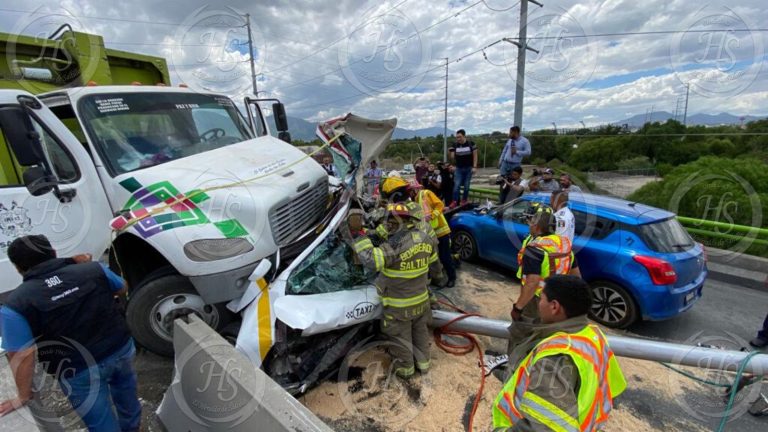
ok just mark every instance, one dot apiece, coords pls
pixel 566 223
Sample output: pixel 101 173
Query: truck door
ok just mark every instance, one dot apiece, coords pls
pixel 74 215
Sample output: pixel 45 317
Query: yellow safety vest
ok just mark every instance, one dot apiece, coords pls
pixel 600 381
pixel 558 257
pixel 437 219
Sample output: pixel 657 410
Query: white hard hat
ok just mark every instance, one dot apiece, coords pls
pixel 394 173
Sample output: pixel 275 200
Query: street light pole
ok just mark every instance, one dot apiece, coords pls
pixel 445 114
pixel 250 52
pixel 522 48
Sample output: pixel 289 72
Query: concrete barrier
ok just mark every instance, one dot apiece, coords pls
pixel 216 388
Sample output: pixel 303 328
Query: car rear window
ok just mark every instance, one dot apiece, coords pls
pixel 666 236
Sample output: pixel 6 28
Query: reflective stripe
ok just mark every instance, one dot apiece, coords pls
pixel 405 372
pixel 405 302
pixel 363 244
pixel 378 258
pixel 434 257
pixel 422 365
pixel 405 274
pixel 548 414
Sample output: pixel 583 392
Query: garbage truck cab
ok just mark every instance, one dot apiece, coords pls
pixel 184 193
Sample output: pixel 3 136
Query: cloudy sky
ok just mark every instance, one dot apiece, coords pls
pixel 598 61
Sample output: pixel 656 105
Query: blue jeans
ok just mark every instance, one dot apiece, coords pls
pixel 461 178
pixel 506 168
pixel 93 391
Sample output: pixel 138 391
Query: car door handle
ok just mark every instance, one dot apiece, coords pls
pixel 66 195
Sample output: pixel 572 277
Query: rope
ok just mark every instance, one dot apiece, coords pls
pixel 161 209
pixel 733 387
pixel 461 349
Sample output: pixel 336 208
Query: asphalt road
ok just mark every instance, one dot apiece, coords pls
pixel 726 316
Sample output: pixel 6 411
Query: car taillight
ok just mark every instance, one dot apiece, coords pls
pixel 662 272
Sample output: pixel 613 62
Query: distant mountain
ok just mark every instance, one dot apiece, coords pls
pixel 695 119
pixel 301 129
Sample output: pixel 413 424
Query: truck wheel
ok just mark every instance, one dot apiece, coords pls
pixel 155 304
pixel 612 305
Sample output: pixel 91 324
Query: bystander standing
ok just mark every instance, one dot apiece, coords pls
pixel 464 154
pixel 516 148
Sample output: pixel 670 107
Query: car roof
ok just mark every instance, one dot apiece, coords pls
pixel 629 212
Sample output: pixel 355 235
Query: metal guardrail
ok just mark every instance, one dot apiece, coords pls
pixel 700 227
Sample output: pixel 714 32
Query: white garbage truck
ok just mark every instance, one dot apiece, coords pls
pixel 183 192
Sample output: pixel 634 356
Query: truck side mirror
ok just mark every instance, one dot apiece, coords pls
pixel 281 120
pixel 37 181
pixel 21 135
pixel 285 136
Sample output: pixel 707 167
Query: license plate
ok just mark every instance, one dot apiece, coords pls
pixel 689 297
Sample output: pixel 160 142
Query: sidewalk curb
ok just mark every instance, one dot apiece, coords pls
pixel 738 268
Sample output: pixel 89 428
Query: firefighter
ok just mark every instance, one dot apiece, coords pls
pixel 405 261
pixel 432 208
pixel 566 375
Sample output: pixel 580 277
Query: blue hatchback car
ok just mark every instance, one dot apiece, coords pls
pixel 639 260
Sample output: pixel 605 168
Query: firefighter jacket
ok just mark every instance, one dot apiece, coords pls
pixel 558 257
pixel 536 398
pixel 432 210
pixel 405 263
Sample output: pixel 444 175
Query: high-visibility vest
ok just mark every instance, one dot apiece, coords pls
pixel 558 257
pixel 437 218
pixel 600 380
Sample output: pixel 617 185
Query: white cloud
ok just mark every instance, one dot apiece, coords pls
pixel 595 79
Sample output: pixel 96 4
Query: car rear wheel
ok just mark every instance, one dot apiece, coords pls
pixel 612 305
pixel 464 244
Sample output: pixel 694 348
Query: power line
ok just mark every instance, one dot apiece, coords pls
pixel 101 18
pixel 281 67
pixel 645 33
pixel 416 33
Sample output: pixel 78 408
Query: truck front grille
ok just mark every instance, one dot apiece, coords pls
pixel 292 218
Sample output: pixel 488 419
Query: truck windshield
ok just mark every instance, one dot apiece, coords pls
pixel 132 131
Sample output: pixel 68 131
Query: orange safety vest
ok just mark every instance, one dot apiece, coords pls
pixel 558 256
pixel 600 380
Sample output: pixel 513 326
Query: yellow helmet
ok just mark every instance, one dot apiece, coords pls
pixel 398 210
pixel 392 183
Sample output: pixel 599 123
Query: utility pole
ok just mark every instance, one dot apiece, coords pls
pixel 445 114
pixel 522 47
pixel 250 51
pixel 685 113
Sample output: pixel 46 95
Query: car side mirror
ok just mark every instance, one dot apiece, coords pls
pixel 21 135
pixel 281 119
pixel 37 181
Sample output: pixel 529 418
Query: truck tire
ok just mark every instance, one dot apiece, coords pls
pixel 158 301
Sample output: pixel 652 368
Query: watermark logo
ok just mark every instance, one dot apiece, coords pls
pixel 42 51
pixel 67 365
pixel 565 60
pixel 718 54
pixel 711 399
pixel 385 54
pixel 210 50
pixel 209 390
pixel 368 376
pixel 719 200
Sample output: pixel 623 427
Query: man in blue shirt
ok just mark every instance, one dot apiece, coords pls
pixel 65 311
pixel 516 148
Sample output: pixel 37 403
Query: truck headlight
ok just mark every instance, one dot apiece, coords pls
pixel 216 249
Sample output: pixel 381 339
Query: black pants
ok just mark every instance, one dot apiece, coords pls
pixel 444 252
